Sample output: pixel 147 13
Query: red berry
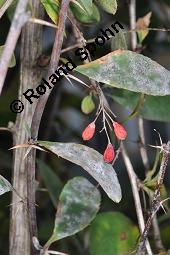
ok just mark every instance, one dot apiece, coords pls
pixel 120 131
pixel 109 153
pixel 89 131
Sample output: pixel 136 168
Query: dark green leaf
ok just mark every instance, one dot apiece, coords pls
pixel 87 104
pixel 112 232
pixel 82 15
pixel 51 180
pixel 11 9
pixel 109 6
pixel 131 71
pixel 154 108
pixel 78 205
pixel 91 161
pixel 13 61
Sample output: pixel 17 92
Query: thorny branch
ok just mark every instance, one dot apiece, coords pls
pixel 145 159
pixel 134 186
pixel 156 203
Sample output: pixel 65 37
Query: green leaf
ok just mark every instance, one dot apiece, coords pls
pixel 87 5
pixel 109 6
pixel 112 232
pixel 154 107
pixel 82 15
pixel 119 42
pixel 91 161
pixel 5 186
pixel 13 60
pixel 129 70
pixel 51 180
pixel 87 104
pixel 79 203
pixel 11 9
pixel 52 9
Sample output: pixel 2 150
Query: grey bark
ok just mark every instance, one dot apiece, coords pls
pixel 30 77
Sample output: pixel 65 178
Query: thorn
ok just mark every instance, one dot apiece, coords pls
pixel 160 139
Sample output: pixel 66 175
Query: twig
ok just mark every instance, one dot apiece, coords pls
pixel 53 65
pixel 134 185
pixel 76 45
pixel 20 18
pixel 5 129
pixel 5 7
pixel 156 203
pixel 142 143
pixel 132 14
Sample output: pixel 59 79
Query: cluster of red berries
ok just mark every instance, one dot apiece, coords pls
pixel 109 153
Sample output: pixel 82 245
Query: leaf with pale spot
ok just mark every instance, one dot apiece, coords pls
pixel 91 161
pixel 78 205
pixel 114 232
pixel 129 70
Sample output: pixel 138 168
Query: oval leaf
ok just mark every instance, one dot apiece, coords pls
pixel 109 6
pixel 154 107
pixel 143 23
pixel 5 186
pixel 87 5
pixel 78 204
pixel 129 70
pixel 87 105
pixel 112 232
pixel 52 9
pixel 82 15
pixel 91 161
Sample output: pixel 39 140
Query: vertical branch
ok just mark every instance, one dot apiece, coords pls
pixel 131 173
pixel 20 18
pixel 132 14
pixel 134 185
pixel 30 76
pixel 53 65
pixel 143 151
